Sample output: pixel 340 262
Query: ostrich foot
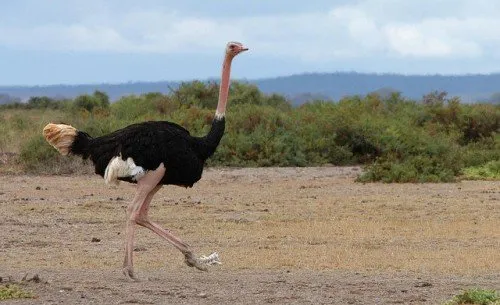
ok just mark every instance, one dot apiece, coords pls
pixel 202 262
pixel 129 274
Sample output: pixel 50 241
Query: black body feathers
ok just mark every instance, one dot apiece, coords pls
pixel 152 143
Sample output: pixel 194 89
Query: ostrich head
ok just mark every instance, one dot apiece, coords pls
pixel 234 48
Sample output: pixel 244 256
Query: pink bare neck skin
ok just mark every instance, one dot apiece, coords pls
pixel 224 87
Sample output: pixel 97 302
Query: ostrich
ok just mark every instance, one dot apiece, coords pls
pixel 150 154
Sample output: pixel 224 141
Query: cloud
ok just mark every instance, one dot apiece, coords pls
pixel 366 28
pixel 429 39
pixel 435 34
pixel 72 37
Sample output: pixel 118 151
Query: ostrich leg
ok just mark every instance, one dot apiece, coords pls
pixel 137 213
pixel 147 186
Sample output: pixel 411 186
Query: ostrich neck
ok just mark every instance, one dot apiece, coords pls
pixel 210 142
pixel 224 88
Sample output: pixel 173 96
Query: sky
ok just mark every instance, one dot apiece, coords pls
pixel 45 42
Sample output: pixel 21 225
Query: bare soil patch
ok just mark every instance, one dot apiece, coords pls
pixel 285 236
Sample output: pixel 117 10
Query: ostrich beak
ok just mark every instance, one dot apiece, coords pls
pixel 243 49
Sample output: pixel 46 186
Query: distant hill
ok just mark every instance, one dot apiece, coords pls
pixel 301 88
pixel 470 88
pixel 115 91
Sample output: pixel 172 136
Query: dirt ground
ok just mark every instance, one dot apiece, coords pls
pixel 284 235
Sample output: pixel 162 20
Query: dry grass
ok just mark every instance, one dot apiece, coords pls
pixel 312 219
pixel 18 125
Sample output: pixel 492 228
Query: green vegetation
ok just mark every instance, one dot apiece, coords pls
pixel 476 297
pixel 437 139
pixel 11 291
pixel 488 171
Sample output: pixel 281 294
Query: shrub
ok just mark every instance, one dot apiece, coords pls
pixel 476 297
pixel 37 156
pixel 131 107
pixel 98 101
pixel 412 155
pixel 36 151
pixel 42 102
pixel 488 171
pixel 12 291
pixel 480 122
pixel 197 93
pixel 259 136
pixel 410 169
pixel 397 140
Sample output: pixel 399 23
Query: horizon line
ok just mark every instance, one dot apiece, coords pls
pixel 257 79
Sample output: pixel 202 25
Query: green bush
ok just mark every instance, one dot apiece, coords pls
pixel 410 169
pixel 480 122
pixel 12 291
pixel 36 151
pixel 98 100
pixel 396 140
pixel 131 107
pixel 37 156
pixel 196 93
pixel 259 136
pixel 489 171
pixel 476 297
pixel 480 153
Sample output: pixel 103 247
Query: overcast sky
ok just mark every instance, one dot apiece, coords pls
pixel 113 41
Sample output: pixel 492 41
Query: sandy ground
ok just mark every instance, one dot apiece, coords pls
pixel 285 236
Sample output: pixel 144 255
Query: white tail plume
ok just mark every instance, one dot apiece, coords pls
pixel 60 136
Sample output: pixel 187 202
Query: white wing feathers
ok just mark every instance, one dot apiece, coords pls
pixel 119 168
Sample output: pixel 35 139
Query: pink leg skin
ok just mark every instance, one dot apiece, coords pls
pixel 137 213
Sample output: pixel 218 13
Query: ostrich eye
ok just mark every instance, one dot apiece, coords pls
pixel 232 47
